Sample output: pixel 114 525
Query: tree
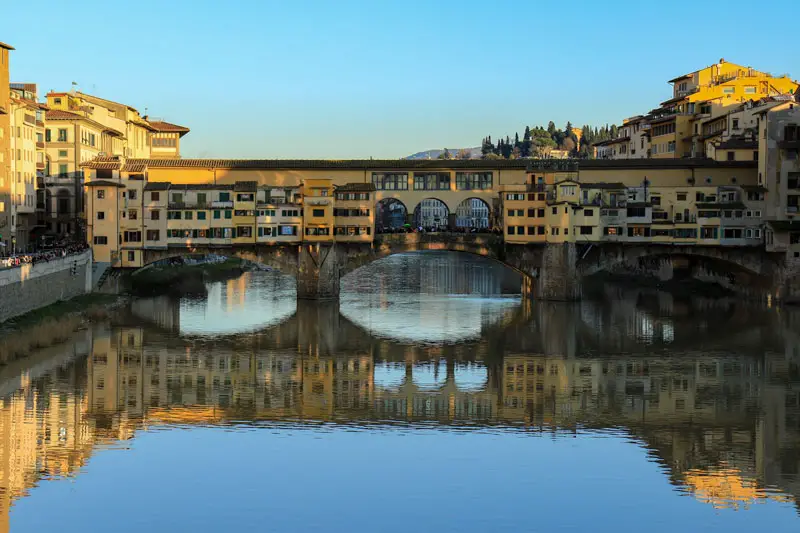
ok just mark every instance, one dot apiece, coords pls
pixel 445 155
pixel 486 146
pixel 551 128
pixel 464 153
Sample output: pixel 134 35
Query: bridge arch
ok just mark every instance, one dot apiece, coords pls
pixel 741 270
pixel 390 214
pixel 473 212
pixel 432 213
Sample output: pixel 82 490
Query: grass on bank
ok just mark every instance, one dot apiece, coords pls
pixel 156 277
pixel 50 325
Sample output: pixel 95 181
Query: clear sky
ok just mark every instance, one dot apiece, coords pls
pixel 381 78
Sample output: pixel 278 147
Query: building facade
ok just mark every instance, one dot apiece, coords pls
pixel 135 205
pixel 7 188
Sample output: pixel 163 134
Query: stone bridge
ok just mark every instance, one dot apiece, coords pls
pixel 549 271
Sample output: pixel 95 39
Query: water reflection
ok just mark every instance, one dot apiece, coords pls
pixel 711 392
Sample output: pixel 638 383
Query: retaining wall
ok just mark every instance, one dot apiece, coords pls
pixel 30 287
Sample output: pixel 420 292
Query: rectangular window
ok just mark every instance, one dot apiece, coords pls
pixel 101 194
pixel 586 230
pixel 708 232
pixel 217 214
pixel 228 213
pixel 62 153
pixel 729 90
pixel 681 196
pixel 224 197
pixel 540 230
pixel 611 230
pixel 153 235
pixel 510 230
pixel 101 215
pixel 177 198
pixel 132 194
pixel 201 198
pixel 155 196
pixel 244 231
pixel 749 89
pixel 133 214
pixel 588 212
pixel 473 181
pixel 201 215
pixel 131 257
pixel 62 135
pixel 515 196
pixel 100 240
pixel 155 214
pixel 62 170
pixel 173 215
pixel 244 197
pixel 187 215
pixel 47 136
pixel 431 181
pixel 390 181
pixel 318 212
pixel 731 156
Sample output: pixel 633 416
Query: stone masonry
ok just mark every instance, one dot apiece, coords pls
pixel 30 287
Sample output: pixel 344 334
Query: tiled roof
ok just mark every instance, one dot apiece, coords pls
pixel 157 186
pixel 359 164
pixel 200 187
pixel 166 127
pixel 104 183
pixel 738 144
pixel 29 87
pixel 245 186
pixel 57 114
pixel 107 162
pixel 134 166
pixel 6 46
pixel 356 187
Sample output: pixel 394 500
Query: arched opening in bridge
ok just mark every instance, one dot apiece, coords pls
pixel 473 213
pixel 390 215
pixel 432 214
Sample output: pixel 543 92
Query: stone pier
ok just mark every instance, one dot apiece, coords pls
pixel 317 272
pixel 559 279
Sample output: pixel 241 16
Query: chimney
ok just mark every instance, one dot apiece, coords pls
pixel 721 60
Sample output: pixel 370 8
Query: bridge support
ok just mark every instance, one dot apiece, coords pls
pixel 558 278
pixel 317 272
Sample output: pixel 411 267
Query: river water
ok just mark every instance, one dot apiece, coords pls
pixel 431 398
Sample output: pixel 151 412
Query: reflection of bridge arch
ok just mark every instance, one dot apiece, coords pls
pixel 432 213
pixel 390 213
pixel 736 268
pixel 473 213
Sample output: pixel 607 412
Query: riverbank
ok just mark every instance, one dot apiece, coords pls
pixel 53 324
pixel 183 279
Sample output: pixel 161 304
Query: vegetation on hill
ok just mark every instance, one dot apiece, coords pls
pixel 539 142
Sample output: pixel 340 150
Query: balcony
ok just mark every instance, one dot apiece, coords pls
pixel 187 205
pixel 535 187
pixel 222 204
pixel 40 166
pixel 40 145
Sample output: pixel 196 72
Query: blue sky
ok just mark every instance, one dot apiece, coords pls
pixel 358 79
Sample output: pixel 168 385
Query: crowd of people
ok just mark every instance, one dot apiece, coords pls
pixel 434 229
pixel 58 251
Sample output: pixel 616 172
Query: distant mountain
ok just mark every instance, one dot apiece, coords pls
pixel 433 154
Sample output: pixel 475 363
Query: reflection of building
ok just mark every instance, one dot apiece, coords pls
pixel 472 213
pixel 725 426
pixel 431 213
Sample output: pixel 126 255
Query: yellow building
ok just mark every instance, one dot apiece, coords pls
pixel 354 214
pixel 549 201
pixel 7 209
pixel 165 138
pixel 318 198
